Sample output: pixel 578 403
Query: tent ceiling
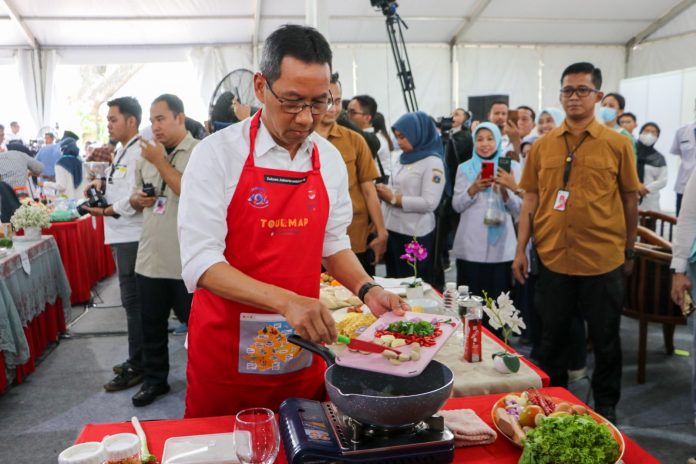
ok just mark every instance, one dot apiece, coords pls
pixel 83 23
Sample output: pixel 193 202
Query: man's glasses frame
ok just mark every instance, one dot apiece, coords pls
pixel 297 106
pixel 581 91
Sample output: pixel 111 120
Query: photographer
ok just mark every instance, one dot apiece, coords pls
pixel 122 230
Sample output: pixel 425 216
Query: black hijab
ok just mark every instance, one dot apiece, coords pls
pixel 647 155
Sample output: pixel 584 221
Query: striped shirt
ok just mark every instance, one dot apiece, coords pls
pixel 14 166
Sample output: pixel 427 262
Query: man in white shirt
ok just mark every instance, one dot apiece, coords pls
pixel 264 202
pixel 361 111
pixel 122 228
pixel 684 146
pixel 498 115
pixel 14 133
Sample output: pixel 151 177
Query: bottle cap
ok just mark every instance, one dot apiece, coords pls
pixel 451 286
pixel 463 289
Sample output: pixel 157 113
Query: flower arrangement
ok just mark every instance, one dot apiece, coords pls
pixel 414 252
pixel 31 215
pixel 503 315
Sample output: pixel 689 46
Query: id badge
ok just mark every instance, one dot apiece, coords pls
pixel 160 205
pixel 561 200
pixel 120 172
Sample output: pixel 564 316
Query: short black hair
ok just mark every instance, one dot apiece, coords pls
pixel 173 102
pixel 380 126
pixel 525 107
pixel 335 79
pixel 497 102
pixel 222 110
pixel 650 124
pixel 14 123
pixel 367 103
pixel 584 67
pixel 618 97
pixel 301 42
pixel 344 103
pixel 2 127
pixel 128 106
pixel 627 115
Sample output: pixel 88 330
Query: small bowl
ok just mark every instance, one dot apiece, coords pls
pixel 427 304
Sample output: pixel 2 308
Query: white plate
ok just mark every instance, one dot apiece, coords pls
pixel 339 314
pixel 394 284
pixel 426 303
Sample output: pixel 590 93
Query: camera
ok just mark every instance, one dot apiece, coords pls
pixel 95 199
pixel 388 7
pixel 383 179
pixel 444 123
pixel 149 189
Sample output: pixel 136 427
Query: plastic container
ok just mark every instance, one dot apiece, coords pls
pixel 122 448
pixel 450 297
pixel 91 452
pixel 200 449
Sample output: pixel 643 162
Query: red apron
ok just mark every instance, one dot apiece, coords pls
pixel 238 355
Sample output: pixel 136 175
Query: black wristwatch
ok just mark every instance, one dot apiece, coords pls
pixel 674 271
pixel 629 253
pixel 366 288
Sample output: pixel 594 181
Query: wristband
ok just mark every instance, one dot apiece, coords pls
pixel 366 288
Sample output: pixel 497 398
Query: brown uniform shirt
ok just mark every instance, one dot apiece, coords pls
pixel 589 237
pixel 361 168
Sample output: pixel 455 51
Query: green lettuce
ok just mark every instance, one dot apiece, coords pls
pixel 569 440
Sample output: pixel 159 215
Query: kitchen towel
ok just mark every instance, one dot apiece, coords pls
pixel 468 428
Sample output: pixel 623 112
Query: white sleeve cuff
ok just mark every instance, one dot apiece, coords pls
pixel 679 264
pixel 333 246
pixel 192 271
pixel 123 207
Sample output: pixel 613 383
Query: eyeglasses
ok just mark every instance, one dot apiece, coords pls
pixel 298 106
pixel 579 91
pixel 353 112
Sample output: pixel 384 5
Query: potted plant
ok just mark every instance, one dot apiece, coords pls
pixel 31 217
pixel 414 252
pixel 503 315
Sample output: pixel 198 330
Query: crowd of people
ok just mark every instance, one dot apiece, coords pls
pixel 231 231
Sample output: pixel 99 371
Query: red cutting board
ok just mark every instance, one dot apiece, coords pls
pixel 375 362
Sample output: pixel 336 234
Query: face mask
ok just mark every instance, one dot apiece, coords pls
pixel 606 114
pixel 647 139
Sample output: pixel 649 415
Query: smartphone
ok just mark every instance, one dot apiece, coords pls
pixel 512 116
pixel 487 168
pixel 505 164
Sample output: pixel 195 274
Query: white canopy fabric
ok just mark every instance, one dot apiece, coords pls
pixel 458 48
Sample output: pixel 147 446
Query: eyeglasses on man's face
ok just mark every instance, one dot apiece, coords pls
pixel 352 112
pixel 581 91
pixel 317 107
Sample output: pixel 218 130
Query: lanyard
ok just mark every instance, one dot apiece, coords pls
pixel 570 158
pixel 164 182
pixel 120 157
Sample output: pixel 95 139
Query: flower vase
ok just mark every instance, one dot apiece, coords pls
pixel 413 293
pixel 506 363
pixel 32 233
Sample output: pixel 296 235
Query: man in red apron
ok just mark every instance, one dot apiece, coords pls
pixel 255 269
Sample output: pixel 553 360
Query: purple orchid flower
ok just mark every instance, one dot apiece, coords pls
pixel 408 257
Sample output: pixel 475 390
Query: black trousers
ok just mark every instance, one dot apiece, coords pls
pixel 493 278
pixel 562 298
pixel 679 202
pixel 159 297
pixel 397 267
pixel 125 255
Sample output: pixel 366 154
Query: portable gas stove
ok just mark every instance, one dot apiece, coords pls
pixel 314 432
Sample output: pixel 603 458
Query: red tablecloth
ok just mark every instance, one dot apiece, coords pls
pixel 500 452
pixel 545 379
pixel 85 257
pixel 42 330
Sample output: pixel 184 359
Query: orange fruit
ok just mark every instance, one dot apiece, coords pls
pixel 528 414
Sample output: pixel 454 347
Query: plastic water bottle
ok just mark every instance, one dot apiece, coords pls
pixel 450 297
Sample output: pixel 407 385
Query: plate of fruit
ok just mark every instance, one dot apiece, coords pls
pixel 551 429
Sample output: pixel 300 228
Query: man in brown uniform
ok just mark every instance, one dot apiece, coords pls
pixel 581 188
pixel 361 175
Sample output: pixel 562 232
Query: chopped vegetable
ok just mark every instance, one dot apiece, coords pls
pixel 414 331
pixel 570 439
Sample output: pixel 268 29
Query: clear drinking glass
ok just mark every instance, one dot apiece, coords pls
pixel 256 436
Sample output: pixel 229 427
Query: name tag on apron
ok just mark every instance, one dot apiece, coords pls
pixel 160 206
pixel 264 348
pixel 561 200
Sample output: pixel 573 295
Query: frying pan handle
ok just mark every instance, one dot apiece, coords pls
pixel 322 351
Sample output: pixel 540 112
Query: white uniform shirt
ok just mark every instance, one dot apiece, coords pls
pixel 685 232
pixel 655 179
pixel 684 145
pixel 210 180
pixel 383 153
pixel 129 226
pixel 471 239
pixel 421 185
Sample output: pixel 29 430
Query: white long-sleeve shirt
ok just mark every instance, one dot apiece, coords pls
pixel 684 145
pixel 128 227
pixel 471 238
pixel 655 179
pixel 685 231
pixel 211 178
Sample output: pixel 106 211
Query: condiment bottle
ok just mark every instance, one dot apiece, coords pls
pixel 122 448
pixel 85 453
pixel 471 312
pixel 450 297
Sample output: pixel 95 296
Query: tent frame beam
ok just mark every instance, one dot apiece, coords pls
pixel 675 11
pixel 19 22
pixel 476 13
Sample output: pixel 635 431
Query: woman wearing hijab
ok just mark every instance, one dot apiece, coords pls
pixel 414 192
pixel 69 170
pixel 652 167
pixel 549 119
pixel 485 242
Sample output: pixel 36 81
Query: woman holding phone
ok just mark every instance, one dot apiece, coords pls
pixel 485 242
pixel 414 192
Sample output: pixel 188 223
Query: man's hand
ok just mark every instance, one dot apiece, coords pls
pixel 241 111
pixel 93 211
pixel 384 193
pixel 520 267
pixel 378 246
pixel 96 183
pixel 142 200
pixel 155 154
pixel 643 191
pixel 311 319
pixel 628 266
pixel 680 284
pixel 381 301
pixel 512 131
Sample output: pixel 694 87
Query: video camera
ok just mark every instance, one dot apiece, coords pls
pixel 444 123
pixel 95 199
pixel 388 7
